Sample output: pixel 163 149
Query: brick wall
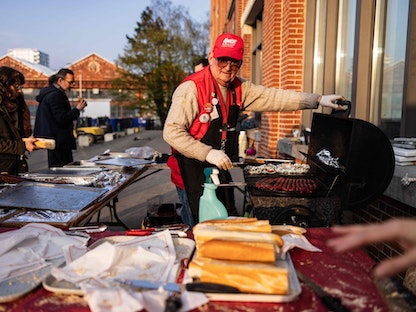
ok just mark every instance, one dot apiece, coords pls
pixel 220 24
pixel 218 13
pixel 282 57
pixel 283 23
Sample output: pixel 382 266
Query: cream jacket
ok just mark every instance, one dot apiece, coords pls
pixel 184 109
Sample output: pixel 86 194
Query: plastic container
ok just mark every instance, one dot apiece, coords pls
pixel 210 208
pixel 242 144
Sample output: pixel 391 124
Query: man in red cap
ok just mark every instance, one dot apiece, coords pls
pixel 201 122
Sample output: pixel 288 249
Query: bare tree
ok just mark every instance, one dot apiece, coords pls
pixel 158 56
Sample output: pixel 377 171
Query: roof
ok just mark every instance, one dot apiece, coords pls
pixel 37 67
pixel 93 54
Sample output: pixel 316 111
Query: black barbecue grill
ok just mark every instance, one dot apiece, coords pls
pixel 353 162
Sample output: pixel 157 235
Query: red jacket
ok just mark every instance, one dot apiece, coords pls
pixel 206 88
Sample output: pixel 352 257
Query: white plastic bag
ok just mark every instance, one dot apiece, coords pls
pixel 144 152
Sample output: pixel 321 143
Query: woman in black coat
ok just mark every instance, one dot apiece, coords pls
pixel 13 114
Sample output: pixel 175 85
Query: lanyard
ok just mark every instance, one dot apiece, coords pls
pixel 223 112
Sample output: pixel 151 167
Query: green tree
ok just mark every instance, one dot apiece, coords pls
pixel 158 56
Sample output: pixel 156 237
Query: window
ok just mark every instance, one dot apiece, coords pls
pixel 389 65
pixel 319 47
pixel 257 38
pixel 345 47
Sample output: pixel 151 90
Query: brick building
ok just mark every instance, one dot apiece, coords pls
pixel 273 34
pixel 93 75
pixel 359 49
pixel 363 50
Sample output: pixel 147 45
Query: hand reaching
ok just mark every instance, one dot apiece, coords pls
pixel 402 231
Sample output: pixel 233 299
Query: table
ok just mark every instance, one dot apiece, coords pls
pixel 108 199
pixel 344 275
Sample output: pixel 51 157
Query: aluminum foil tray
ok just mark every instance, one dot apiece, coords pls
pixel 124 162
pixel 56 197
pixel 70 171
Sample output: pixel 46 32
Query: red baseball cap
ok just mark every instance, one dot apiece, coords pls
pixel 229 45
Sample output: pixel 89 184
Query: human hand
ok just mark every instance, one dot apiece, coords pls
pixel 30 143
pixel 81 104
pixel 328 100
pixel 401 231
pixel 219 159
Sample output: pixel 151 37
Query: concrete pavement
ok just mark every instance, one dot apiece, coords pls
pixel 132 204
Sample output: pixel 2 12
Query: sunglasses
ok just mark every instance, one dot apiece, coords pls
pixel 71 83
pixel 224 62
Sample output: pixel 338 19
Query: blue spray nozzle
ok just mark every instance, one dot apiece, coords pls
pixel 207 173
pixel 211 175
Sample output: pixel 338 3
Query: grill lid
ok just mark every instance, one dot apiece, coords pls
pixel 351 156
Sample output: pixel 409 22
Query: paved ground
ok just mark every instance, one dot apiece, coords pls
pixel 132 204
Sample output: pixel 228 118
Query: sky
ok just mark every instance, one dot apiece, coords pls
pixel 70 30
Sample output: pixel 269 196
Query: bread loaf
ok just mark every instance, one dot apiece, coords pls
pixel 231 220
pixel 241 224
pixel 249 277
pixel 43 143
pixel 205 232
pixel 239 251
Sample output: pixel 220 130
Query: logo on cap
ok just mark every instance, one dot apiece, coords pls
pixel 228 43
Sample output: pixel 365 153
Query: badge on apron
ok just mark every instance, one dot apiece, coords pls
pixel 204 118
pixel 208 108
pixel 214 101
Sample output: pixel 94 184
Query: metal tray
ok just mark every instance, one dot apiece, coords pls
pixel 124 162
pixel 16 287
pixel 184 248
pixel 56 197
pixel 66 171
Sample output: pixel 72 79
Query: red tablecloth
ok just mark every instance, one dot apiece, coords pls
pixel 344 275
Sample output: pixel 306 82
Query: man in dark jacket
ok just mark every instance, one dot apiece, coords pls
pixel 55 118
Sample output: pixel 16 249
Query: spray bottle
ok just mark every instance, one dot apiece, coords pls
pixel 209 205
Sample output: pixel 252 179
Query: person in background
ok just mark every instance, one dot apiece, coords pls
pixel 402 231
pixel 51 80
pixel 55 117
pixel 201 122
pixel 200 64
pixel 14 123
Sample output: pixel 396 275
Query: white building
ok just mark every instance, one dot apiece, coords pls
pixel 31 55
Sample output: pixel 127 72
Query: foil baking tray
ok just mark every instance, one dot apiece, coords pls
pixel 55 197
pixel 67 171
pixel 124 162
